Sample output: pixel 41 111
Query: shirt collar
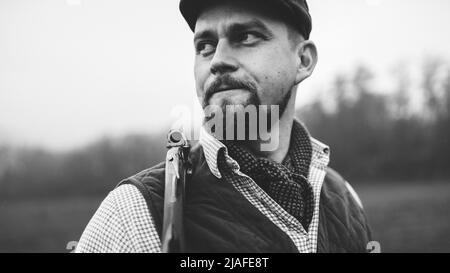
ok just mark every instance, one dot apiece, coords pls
pixel 213 148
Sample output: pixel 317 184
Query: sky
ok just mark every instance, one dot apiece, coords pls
pixel 72 71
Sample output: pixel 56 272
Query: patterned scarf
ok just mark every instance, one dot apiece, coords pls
pixel 286 183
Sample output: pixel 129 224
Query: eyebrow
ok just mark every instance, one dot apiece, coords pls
pixel 236 27
pixel 252 24
pixel 203 34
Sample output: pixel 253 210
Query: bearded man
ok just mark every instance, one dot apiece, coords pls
pixel 241 197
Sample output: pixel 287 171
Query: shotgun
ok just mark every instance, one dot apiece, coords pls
pixel 177 170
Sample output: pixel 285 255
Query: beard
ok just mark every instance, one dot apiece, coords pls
pixel 232 120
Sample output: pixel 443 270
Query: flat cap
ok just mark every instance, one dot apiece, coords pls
pixel 293 12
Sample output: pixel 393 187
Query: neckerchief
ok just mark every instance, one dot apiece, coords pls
pixel 286 183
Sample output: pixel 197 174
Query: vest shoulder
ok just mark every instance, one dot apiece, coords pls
pixel 155 175
pixel 334 181
pixel 336 184
pixel 152 174
pixel 337 197
pixel 342 216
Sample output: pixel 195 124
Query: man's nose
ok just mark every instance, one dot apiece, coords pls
pixel 223 60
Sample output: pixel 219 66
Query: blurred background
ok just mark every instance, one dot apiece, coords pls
pixel 88 88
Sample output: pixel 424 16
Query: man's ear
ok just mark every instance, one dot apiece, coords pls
pixel 307 56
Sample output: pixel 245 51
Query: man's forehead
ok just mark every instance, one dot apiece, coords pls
pixel 228 15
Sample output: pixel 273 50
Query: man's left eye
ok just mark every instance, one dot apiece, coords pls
pixel 249 38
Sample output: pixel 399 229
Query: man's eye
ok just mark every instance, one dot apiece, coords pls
pixel 205 48
pixel 249 38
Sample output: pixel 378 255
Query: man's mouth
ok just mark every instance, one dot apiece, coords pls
pixel 228 91
pixel 228 88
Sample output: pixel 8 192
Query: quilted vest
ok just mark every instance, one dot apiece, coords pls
pixel 217 218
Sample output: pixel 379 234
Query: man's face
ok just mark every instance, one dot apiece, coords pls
pixel 243 57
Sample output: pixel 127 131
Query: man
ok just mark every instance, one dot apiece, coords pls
pixel 240 197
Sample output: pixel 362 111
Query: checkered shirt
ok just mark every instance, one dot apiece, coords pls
pixel 123 223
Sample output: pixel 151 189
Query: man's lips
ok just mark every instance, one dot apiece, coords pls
pixel 225 89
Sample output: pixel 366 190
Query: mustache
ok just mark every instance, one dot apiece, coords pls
pixel 231 83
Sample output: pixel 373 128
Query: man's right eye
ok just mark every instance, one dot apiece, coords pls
pixel 205 48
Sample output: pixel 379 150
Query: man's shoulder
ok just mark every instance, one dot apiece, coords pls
pixel 152 174
pixel 120 224
pixel 156 174
pixel 335 184
pixel 147 184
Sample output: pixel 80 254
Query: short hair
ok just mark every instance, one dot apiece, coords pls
pixel 294 36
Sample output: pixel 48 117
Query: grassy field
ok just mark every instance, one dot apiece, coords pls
pixel 44 225
pixel 409 218
pixel 405 218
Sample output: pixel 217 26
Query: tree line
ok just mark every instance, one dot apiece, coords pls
pixel 399 135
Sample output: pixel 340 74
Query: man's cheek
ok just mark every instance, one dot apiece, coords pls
pixel 271 92
pixel 200 73
pixel 200 84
